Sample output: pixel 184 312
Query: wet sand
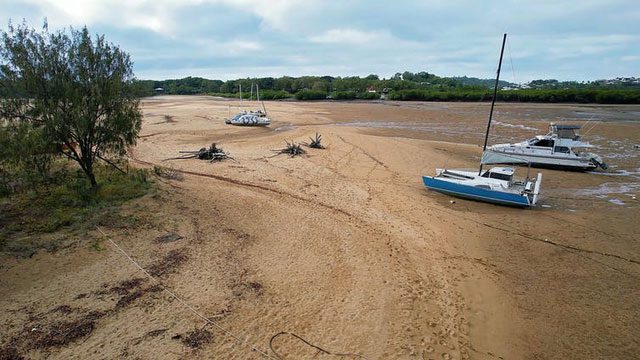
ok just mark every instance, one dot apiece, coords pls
pixel 346 248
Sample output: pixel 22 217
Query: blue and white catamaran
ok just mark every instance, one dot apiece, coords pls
pixel 496 185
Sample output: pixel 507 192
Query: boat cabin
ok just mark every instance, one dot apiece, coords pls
pixel 545 143
pixel 564 131
pixel 499 173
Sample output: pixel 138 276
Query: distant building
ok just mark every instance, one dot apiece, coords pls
pixel 158 90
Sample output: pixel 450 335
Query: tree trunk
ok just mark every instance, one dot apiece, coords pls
pixel 87 167
pixel 92 178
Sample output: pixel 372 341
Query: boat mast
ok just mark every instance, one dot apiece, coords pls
pixel 258 94
pixel 493 101
pixel 240 95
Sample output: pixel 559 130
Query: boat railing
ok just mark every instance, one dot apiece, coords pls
pixel 448 173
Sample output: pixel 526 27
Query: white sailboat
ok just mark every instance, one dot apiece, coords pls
pixel 251 117
pixel 496 185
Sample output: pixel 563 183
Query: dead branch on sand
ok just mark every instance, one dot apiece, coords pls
pixel 292 149
pixel 213 153
pixel 315 142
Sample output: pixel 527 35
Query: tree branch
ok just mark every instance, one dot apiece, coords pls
pixel 110 163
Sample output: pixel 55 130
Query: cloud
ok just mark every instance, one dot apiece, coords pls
pixel 158 15
pixel 351 36
pixel 145 14
pixel 581 40
pixel 274 14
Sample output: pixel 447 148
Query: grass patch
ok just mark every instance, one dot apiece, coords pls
pixel 69 204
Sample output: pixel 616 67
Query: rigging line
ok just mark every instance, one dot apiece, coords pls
pixel 595 123
pixel 164 288
pixel 589 119
pixel 513 72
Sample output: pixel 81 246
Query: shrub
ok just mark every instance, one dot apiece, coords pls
pixel 311 95
pixel 369 96
pixel 344 95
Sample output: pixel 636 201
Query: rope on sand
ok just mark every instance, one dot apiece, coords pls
pixel 209 321
pixel 320 350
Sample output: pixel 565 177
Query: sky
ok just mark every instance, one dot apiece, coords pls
pixel 229 39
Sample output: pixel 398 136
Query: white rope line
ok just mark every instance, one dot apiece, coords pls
pixel 226 332
pixel 595 123
pixel 513 71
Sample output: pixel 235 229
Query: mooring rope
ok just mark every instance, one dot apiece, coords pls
pixel 311 345
pixel 211 322
pixel 164 288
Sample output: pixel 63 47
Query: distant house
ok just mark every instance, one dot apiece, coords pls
pixel 371 89
pixel 158 90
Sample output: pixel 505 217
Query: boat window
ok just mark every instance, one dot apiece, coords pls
pixel 561 149
pixel 544 143
pixel 567 134
pixel 500 176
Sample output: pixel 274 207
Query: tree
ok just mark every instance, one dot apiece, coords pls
pixel 74 89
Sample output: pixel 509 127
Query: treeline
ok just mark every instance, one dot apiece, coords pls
pixel 402 86
pixel 291 85
pixel 612 84
pixel 542 96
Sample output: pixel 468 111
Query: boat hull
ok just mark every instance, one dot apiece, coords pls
pixel 249 120
pixel 549 162
pixel 476 193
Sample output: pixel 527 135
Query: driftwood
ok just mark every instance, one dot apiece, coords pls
pixel 292 149
pixel 315 142
pixel 213 153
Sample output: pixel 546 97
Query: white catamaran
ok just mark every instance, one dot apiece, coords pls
pixel 560 148
pixel 496 185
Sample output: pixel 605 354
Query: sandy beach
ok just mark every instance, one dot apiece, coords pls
pixel 344 246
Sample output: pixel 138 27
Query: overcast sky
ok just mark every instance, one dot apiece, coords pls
pixel 228 39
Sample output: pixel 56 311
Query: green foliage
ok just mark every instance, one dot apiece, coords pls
pixel 311 95
pixel 72 205
pixel 368 96
pixel 143 88
pixel 26 153
pixel 186 86
pixel 544 96
pixel 274 95
pixel 480 83
pixel 415 86
pixel 352 95
pixel 75 91
pixel 344 95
